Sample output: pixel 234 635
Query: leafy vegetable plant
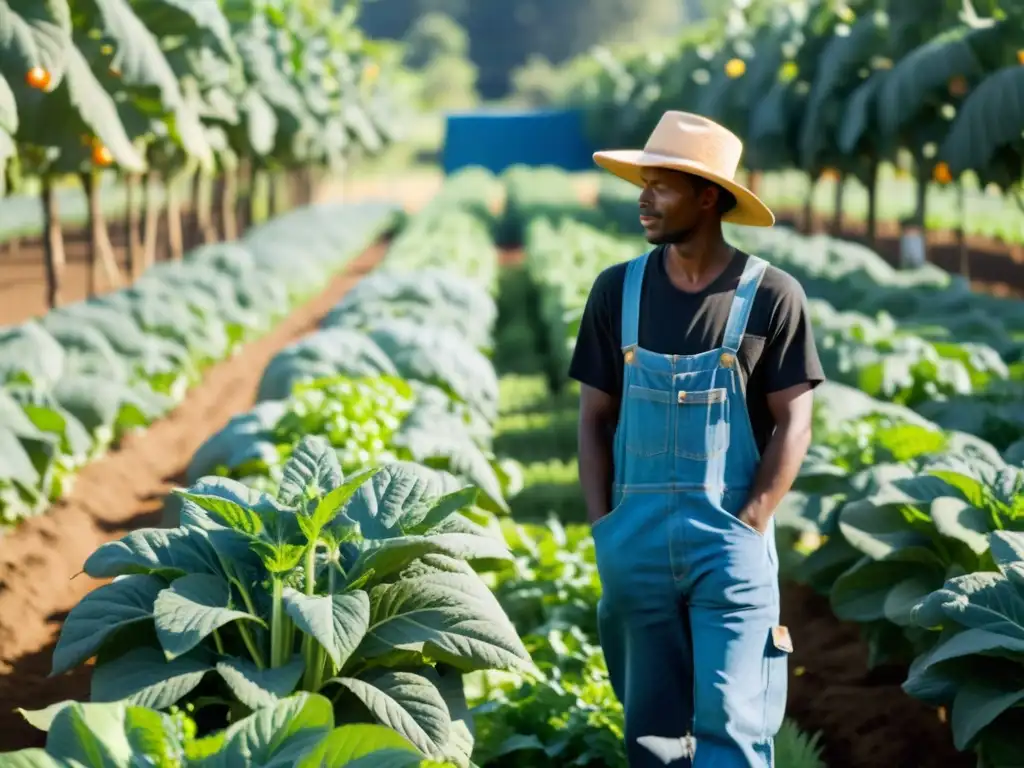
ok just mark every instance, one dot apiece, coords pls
pixel 976 666
pixel 296 731
pixel 362 588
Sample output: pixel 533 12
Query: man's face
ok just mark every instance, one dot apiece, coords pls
pixel 673 205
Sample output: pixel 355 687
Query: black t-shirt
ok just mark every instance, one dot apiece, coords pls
pixel 777 351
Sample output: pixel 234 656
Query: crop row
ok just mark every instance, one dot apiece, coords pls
pixel 76 380
pixel 907 511
pixel 324 565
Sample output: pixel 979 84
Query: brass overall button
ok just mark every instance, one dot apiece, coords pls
pixel 629 356
pixel 682 397
pixel 727 360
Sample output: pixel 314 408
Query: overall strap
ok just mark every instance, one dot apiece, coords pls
pixel 631 290
pixel 739 312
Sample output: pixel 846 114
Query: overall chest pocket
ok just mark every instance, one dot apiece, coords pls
pixel 648 415
pixel 702 424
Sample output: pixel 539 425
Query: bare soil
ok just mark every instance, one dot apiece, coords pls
pixel 113 496
pixel 866 719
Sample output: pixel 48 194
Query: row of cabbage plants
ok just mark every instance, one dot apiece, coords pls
pixel 76 380
pixel 324 564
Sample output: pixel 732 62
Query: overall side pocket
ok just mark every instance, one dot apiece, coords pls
pixel 776 662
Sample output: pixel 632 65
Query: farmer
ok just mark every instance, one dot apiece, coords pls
pixel 697 365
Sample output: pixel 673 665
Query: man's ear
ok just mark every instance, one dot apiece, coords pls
pixel 708 199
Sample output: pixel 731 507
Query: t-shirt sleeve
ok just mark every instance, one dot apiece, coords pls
pixel 597 359
pixel 791 356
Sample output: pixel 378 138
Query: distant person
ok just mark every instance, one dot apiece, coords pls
pixel 697 365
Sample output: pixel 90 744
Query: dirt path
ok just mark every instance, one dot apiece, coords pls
pixel 117 494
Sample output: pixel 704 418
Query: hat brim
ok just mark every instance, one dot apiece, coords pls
pixel 628 164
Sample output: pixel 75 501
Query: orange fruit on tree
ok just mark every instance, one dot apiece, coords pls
pixel 1020 57
pixel 101 155
pixel 38 78
pixel 735 68
pixel 941 173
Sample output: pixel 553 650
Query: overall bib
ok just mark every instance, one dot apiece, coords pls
pixel 690 605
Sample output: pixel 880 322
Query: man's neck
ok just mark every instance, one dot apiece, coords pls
pixel 692 266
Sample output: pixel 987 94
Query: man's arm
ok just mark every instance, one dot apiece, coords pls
pixel 599 414
pixel 787 447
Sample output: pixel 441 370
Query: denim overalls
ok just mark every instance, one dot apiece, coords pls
pixel 690 606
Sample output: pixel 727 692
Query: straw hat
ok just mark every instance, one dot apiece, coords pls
pixel 692 144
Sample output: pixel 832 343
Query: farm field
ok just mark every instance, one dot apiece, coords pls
pixel 439 324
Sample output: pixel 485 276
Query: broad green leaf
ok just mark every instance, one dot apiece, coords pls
pixel 876 525
pixel 141 65
pixel 230 513
pixel 985 121
pixel 334 502
pixel 260 122
pixel 109 735
pixel 81 101
pixel 446 506
pixel 106 609
pixel 860 593
pixel 144 677
pixel 980 702
pixel 363 746
pixel 275 736
pixel 407 702
pixel 391 555
pixel 1007 548
pixel 257 688
pixel 31 758
pixel 960 520
pixel 451 617
pixel 985 600
pixel 396 499
pixel 200 21
pixel 338 622
pixel 168 553
pixel 43 718
pixel 33 33
pixel 904 596
pixel 191 609
pixel 311 473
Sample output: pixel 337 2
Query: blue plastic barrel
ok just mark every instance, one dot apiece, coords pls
pixel 497 139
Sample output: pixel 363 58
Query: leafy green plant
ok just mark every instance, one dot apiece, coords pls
pixel 362 587
pixel 976 665
pixel 298 730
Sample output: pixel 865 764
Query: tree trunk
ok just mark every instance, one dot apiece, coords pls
pixel 229 204
pixel 152 228
pixel 134 233
pixel 53 244
pixel 246 179
pixel 175 235
pixel 754 182
pixel 202 196
pixel 872 222
pixel 101 251
pixel 837 210
pixel 275 192
pixel 961 232
pixel 259 195
pixel 808 214
pixel 921 204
